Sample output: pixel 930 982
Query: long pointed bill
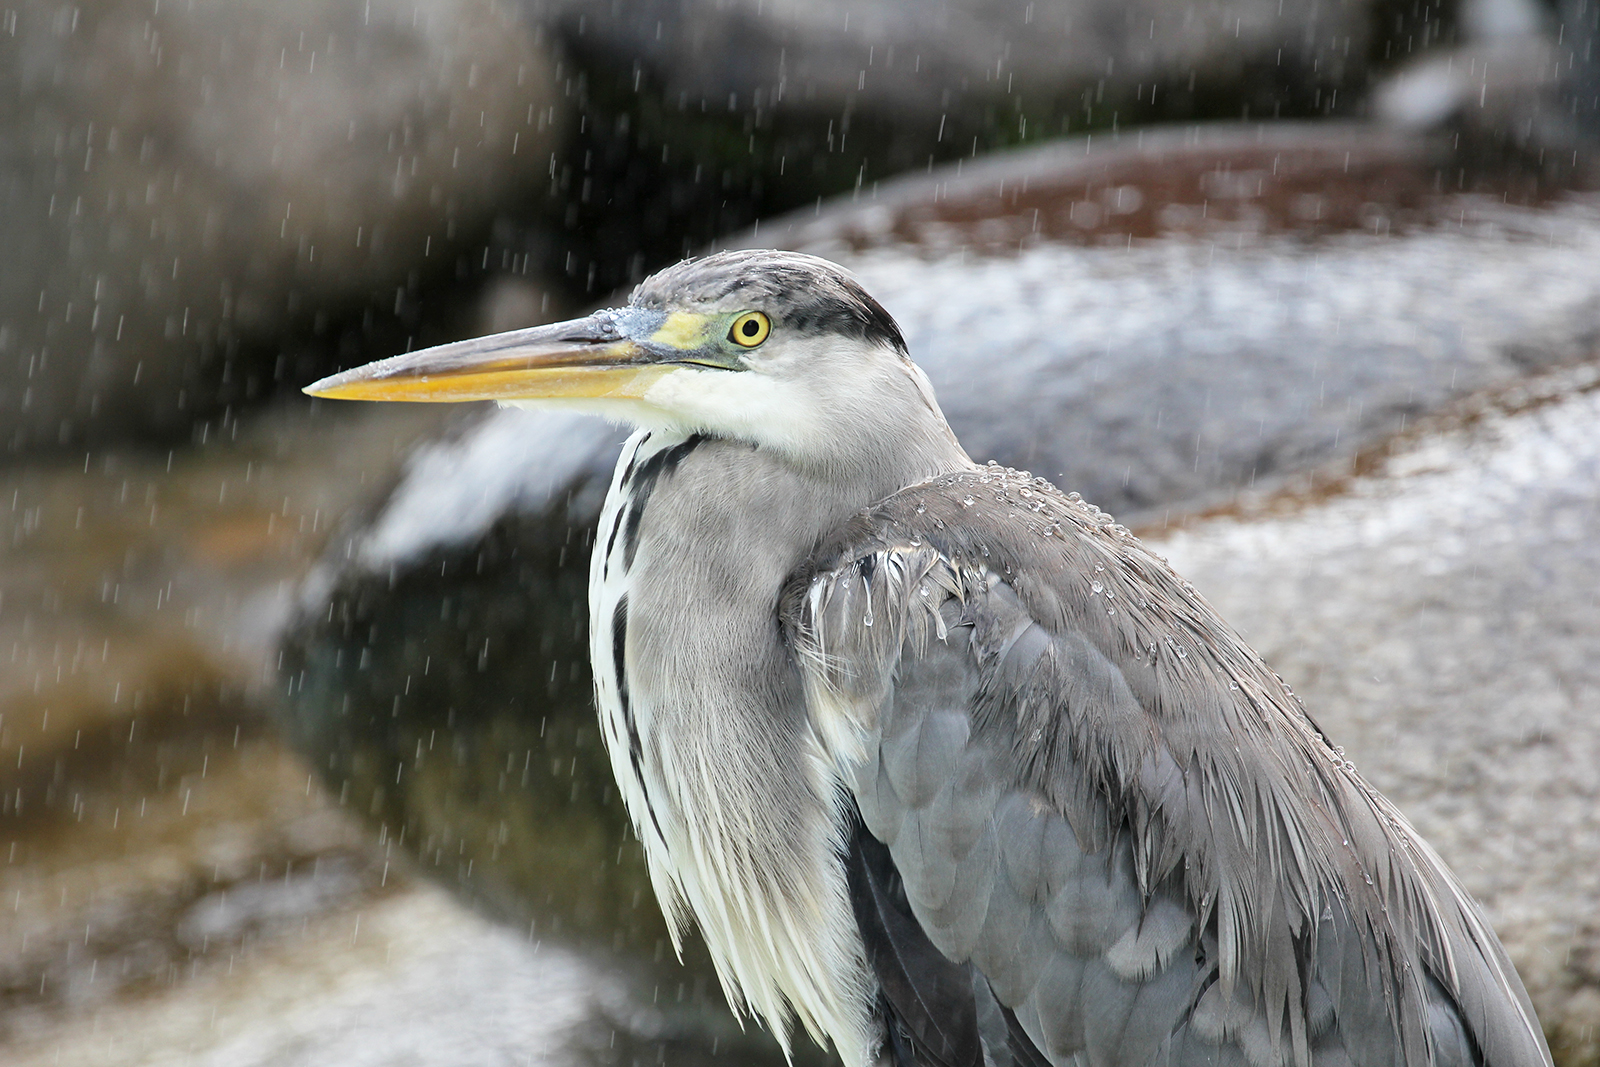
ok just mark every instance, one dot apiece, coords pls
pixel 617 353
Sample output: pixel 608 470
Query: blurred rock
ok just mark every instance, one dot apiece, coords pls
pixel 927 75
pixel 513 303
pixel 1519 87
pixel 485 762
pixel 1157 322
pixel 1494 89
pixel 189 193
pixel 1578 33
pixel 702 115
pixel 1437 615
pixel 177 886
pixel 152 831
pixel 1159 319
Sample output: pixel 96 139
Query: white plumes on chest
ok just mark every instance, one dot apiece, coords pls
pixel 743 834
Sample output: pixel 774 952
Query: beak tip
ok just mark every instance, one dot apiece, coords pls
pixel 329 388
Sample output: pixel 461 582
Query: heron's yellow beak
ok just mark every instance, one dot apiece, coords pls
pixel 618 354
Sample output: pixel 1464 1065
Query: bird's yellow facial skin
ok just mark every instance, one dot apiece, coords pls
pixel 683 330
pixel 616 355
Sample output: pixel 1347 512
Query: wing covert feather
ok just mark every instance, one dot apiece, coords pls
pixel 1098 795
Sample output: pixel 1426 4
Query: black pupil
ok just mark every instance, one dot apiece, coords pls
pixel 751 327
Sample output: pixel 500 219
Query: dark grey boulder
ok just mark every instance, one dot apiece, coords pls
pixel 702 115
pixel 931 76
pixel 187 189
pixel 1157 322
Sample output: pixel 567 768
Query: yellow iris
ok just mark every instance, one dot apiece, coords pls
pixel 750 329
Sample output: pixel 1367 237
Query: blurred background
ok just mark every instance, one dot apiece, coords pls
pixel 297 759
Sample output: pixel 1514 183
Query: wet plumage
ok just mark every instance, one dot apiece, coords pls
pixel 943 763
pixel 1100 798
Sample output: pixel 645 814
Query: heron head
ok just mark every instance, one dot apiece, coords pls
pixel 782 349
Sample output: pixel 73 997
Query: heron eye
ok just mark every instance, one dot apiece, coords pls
pixel 750 329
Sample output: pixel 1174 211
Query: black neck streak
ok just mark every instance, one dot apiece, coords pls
pixel 643 483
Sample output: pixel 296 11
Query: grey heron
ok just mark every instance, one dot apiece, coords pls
pixel 944 763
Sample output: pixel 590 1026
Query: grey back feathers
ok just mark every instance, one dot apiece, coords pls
pixel 1100 797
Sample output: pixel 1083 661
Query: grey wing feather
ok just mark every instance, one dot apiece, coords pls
pixel 1105 801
